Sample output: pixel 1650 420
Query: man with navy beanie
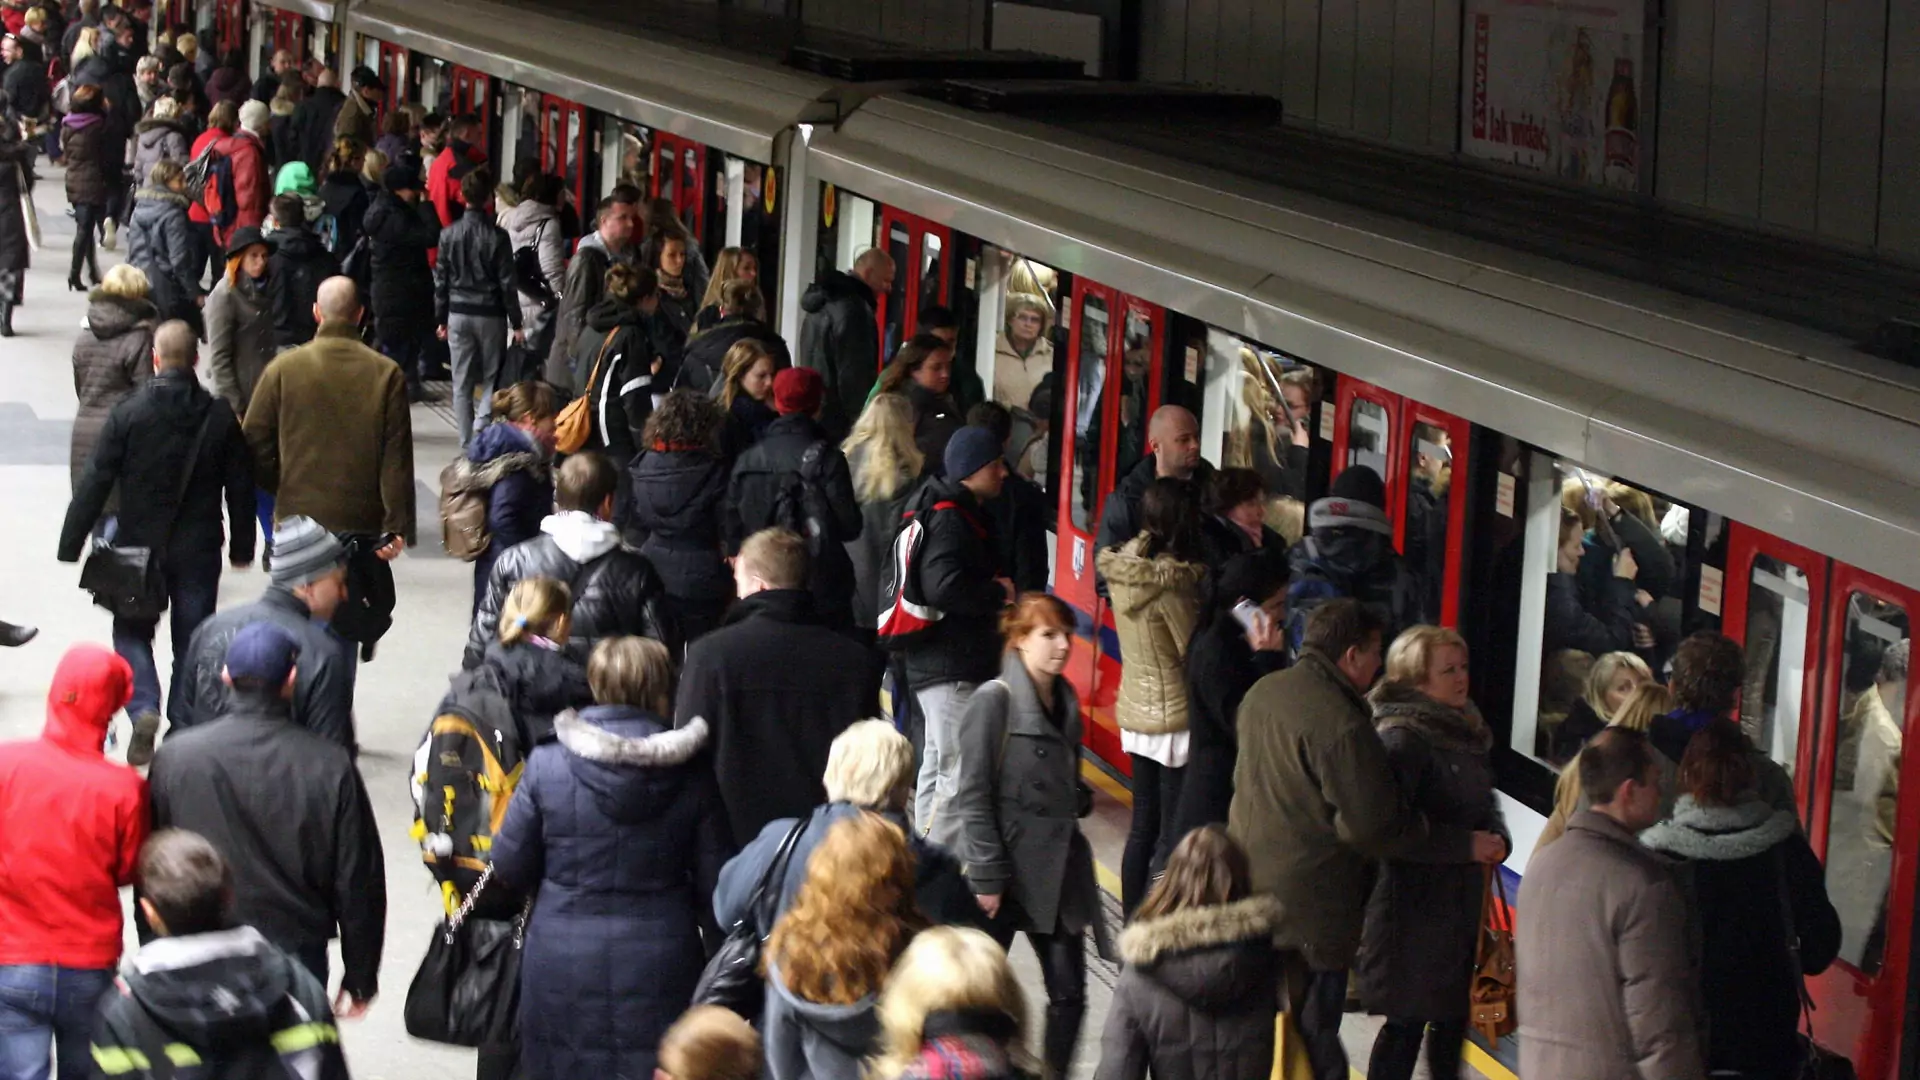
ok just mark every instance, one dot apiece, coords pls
pixel 287 809
pixel 1348 552
pixel 960 576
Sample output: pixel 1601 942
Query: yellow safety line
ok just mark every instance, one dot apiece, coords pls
pixel 1098 777
pixel 1488 1065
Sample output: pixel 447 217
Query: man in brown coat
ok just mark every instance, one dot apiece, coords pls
pixel 1316 805
pixel 332 440
pixel 1608 983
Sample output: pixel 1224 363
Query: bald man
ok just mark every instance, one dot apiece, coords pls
pixel 169 431
pixel 313 121
pixel 839 338
pixel 332 440
pixel 1173 449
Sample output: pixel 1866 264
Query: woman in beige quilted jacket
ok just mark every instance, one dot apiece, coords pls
pixel 1155 581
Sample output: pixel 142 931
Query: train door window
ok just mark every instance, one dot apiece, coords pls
pixel 1259 414
pixel 1428 487
pixel 1020 366
pixel 393 71
pixel 1368 428
pixel 1776 638
pixel 893 306
pixel 467 92
pixel 230 26
pixel 623 155
pixel 932 291
pixel 690 202
pixel 1139 378
pixel 1094 340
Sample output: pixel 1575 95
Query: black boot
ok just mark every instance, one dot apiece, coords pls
pixel 1063 1031
pixel 6 318
pixel 13 636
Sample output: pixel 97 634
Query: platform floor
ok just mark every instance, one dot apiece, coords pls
pixel 395 693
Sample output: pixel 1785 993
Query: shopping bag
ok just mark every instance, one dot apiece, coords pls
pixel 1289 1050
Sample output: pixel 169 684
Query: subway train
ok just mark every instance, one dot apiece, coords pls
pixel 1498 393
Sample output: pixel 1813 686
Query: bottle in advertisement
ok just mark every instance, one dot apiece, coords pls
pixel 1623 143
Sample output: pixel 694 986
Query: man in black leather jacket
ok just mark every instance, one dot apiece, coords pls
pixel 616 591
pixel 475 298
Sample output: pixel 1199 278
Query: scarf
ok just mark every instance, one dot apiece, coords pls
pixel 674 285
pixel 1397 706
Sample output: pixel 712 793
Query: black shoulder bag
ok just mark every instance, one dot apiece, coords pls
pixel 732 977
pixel 1816 1061
pixel 128 581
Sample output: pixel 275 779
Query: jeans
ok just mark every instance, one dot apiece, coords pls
pixel 86 220
pixel 1318 1002
pixel 263 513
pixel 1150 839
pixel 405 344
pixel 46 1009
pixel 479 345
pixel 193 591
pixel 1063 969
pixel 1397 1048
pixel 942 706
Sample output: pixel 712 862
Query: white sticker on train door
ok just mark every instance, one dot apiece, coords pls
pixel 1712 583
pixel 1326 423
pixel 1079 556
pixel 1503 496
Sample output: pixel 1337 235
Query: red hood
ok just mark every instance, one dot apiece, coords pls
pixel 90 685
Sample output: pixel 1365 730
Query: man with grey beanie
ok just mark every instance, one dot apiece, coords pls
pixel 309 581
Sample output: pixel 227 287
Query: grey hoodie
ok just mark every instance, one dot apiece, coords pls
pixel 809 1041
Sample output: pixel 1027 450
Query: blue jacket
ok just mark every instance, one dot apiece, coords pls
pixel 521 496
pixel 619 829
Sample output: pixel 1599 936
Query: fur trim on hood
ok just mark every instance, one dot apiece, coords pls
pixel 1136 581
pixel 675 746
pixel 1720 833
pixel 1149 940
pixel 1397 706
pixel 159 194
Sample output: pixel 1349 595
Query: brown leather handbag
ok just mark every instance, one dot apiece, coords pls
pixel 574 426
pixel 1492 1007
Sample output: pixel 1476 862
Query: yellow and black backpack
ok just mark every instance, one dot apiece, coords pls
pixel 464 774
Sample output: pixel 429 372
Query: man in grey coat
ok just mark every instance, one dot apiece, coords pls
pixel 613 240
pixel 1316 805
pixel 1608 976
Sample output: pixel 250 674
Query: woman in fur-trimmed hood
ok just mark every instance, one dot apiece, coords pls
pixel 1417 950
pixel 1197 997
pixel 1741 856
pixel 619 830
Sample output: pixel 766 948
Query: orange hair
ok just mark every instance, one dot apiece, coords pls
pixel 1032 611
pixel 852 917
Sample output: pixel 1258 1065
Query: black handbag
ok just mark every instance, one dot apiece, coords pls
pixel 467 991
pixel 1816 1061
pixel 732 977
pixel 126 580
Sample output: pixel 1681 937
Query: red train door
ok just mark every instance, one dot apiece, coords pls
pixel 1113 383
pixel 563 143
pixel 680 174
pixel 1420 453
pixel 230 25
pixel 469 94
pixel 922 262
pixel 289 33
pixel 393 72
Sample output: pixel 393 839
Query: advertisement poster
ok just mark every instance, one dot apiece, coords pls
pixel 1555 87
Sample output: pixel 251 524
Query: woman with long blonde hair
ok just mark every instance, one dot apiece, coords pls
pixel 887 466
pixel 746 394
pixel 1643 703
pixel 952 998
pixel 734 264
pixel 830 953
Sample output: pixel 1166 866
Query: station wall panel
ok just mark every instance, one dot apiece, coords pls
pixel 1899 225
pixel 1852 89
pixel 1790 169
pixel 1739 107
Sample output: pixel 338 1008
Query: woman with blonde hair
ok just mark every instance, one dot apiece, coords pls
pixel 1022 351
pixel 1613 677
pixel 617 825
pixel 734 264
pixel 112 357
pixel 1202 982
pixel 513 457
pixel 1423 920
pixel 746 393
pixel 740 316
pixel 831 951
pixel 709 1043
pixel 537 677
pixel 952 1010
pixel 887 466
pixel 1643 704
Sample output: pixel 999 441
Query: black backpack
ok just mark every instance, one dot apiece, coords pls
pixel 528 277
pixel 801 503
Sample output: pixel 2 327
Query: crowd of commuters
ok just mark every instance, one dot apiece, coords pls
pixel 692 545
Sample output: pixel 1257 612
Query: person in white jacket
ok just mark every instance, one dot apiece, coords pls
pixel 535 222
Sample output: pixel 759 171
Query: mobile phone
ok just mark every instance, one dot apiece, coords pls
pixel 1247 614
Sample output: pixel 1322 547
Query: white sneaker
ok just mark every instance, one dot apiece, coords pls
pixel 108 236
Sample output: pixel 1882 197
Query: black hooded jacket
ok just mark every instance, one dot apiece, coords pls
pixel 840 340
pixel 766 469
pixel 399 241
pixel 701 362
pixel 345 196
pixel 677 499
pixel 617 350
pixel 300 262
pixel 247 1011
pixel 540 684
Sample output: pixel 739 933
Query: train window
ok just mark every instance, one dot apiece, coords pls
pixel 1367 436
pixel 1136 371
pixel 1088 397
pixel 525 114
pixel 899 243
pixel 1429 477
pixel 1264 403
pixel 576 123
pixel 1867 761
pixel 1778 611
pixel 1018 362
pixel 623 154
pixel 930 273
pixel 689 189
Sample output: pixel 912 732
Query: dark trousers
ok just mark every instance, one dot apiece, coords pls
pixel 193 591
pixel 205 253
pixel 86 220
pixel 1397 1048
pixel 1063 968
pixel 1156 803
pixel 1318 1002
pixel 314 959
pixel 406 344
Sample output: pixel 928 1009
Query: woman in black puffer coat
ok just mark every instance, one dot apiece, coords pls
pixel 618 826
pixel 679 485
pixel 1197 998
pixel 92 151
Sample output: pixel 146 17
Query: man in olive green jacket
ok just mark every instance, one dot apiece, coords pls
pixel 1315 804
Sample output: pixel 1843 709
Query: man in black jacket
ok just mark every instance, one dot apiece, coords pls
pixel 838 338
pixel 959 575
pixel 475 298
pixel 1020 515
pixel 773 723
pixel 313 121
pixel 300 262
pixel 615 239
pixel 147 449
pixel 309 585
pixel 616 591
pixel 398 239
pixel 287 809
pixel 796 478
pixel 1173 449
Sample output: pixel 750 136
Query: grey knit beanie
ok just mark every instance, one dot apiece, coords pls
pixel 303 552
